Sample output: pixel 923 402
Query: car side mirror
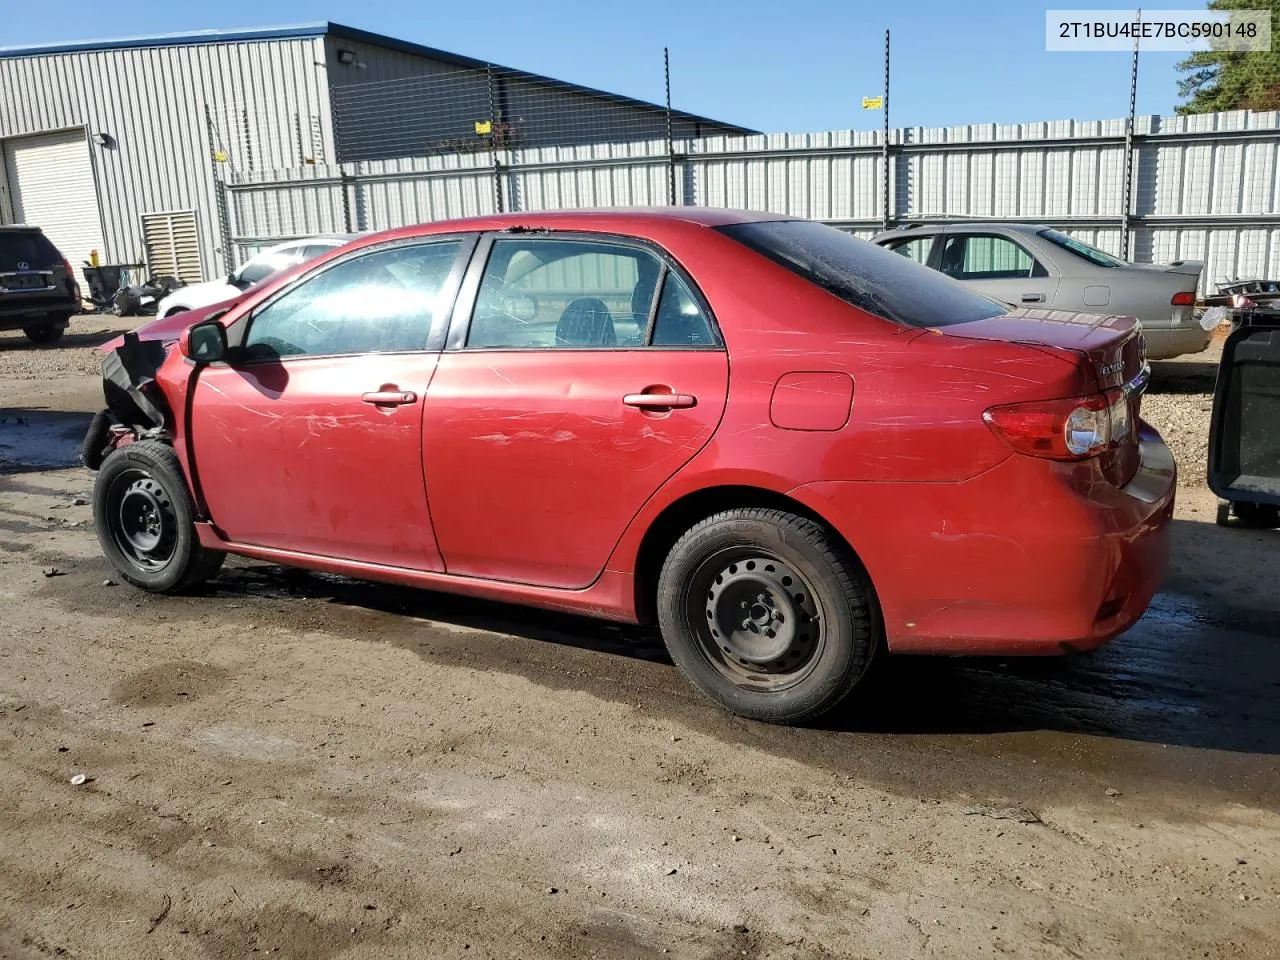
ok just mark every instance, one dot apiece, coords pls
pixel 205 342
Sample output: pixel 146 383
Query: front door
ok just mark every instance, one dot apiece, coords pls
pixel 591 372
pixel 1000 267
pixel 311 440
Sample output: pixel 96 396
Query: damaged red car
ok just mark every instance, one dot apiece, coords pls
pixel 790 449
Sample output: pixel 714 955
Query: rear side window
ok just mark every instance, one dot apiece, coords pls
pixel 877 281
pixel 26 246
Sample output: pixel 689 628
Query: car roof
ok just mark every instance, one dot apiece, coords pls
pixel 639 220
pixel 953 226
pixel 18 227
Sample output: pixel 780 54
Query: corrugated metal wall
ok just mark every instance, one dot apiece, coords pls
pixel 270 105
pixel 1206 187
pixel 388 103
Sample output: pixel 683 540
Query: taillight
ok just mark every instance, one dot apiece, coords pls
pixel 1074 428
pixel 66 264
pixel 1186 298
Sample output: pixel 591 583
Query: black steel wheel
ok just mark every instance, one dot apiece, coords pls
pixel 768 614
pixel 764 625
pixel 143 516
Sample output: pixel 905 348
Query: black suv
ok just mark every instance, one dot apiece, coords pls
pixel 38 289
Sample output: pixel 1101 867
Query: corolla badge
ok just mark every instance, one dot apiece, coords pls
pixel 1111 368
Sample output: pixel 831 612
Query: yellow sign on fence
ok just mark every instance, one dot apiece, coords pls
pixel 872 103
pixel 483 127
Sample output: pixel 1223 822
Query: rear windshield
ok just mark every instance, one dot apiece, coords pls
pixel 26 246
pixel 1081 249
pixel 878 281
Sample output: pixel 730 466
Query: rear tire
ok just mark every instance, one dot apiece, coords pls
pixel 143 516
pixel 768 614
pixel 44 333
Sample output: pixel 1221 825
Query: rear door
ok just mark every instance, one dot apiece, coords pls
pixel 311 440
pixel 582 372
pixel 1000 267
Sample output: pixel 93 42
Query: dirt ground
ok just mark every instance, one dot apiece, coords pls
pixel 304 766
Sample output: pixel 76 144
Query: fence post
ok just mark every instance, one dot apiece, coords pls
pixel 884 145
pixel 671 151
pixel 219 197
pixel 493 141
pixel 1126 201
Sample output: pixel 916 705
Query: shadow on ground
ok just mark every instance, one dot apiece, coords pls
pixel 36 439
pixel 70 340
pixel 1181 377
pixel 1180 677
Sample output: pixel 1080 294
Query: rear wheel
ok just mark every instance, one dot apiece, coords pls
pixel 44 333
pixel 768 614
pixel 144 519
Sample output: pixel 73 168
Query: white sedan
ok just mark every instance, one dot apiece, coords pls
pixel 261 266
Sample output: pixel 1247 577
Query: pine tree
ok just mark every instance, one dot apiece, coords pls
pixel 1217 80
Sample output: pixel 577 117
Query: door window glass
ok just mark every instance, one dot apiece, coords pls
pixel 987 257
pixel 680 322
pixel 917 248
pixel 382 302
pixel 574 294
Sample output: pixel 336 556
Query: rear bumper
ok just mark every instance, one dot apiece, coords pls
pixel 1169 342
pixel 23 313
pixel 1031 557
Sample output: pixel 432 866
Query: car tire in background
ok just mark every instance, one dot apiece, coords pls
pixel 768 614
pixel 143 516
pixel 42 334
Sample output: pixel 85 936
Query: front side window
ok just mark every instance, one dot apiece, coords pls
pixel 871 278
pixel 1081 249
pixel 984 256
pixel 539 293
pixel 382 302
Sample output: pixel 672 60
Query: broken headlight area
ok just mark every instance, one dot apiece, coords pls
pixel 135 407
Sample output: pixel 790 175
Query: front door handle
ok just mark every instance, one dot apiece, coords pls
pixel 1033 298
pixel 659 401
pixel 389 398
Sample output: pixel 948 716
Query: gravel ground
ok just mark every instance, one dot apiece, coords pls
pixel 1178 404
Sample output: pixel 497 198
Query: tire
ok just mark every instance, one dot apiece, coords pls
pixel 143 515
pixel 809 625
pixel 44 333
pixel 94 446
pixel 1257 516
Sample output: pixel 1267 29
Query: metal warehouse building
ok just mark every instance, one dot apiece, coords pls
pixel 119 146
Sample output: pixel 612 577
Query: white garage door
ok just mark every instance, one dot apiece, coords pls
pixel 51 186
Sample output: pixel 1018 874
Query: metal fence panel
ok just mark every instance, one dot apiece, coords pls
pixel 1205 187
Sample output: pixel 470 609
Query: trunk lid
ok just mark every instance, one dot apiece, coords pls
pixel 1114 359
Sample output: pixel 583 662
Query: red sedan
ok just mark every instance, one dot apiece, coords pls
pixel 787 446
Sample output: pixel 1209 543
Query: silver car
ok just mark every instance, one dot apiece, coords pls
pixel 1036 267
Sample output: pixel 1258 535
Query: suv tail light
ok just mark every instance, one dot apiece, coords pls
pixel 1186 298
pixel 1075 428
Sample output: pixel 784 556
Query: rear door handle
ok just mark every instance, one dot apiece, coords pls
pixel 389 398
pixel 1033 298
pixel 659 401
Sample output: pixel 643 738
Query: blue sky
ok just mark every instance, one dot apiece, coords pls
pixel 780 65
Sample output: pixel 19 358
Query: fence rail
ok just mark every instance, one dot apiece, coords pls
pixel 1205 187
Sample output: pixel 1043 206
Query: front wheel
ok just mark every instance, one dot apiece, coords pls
pixel 143 516
pixel 768 614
